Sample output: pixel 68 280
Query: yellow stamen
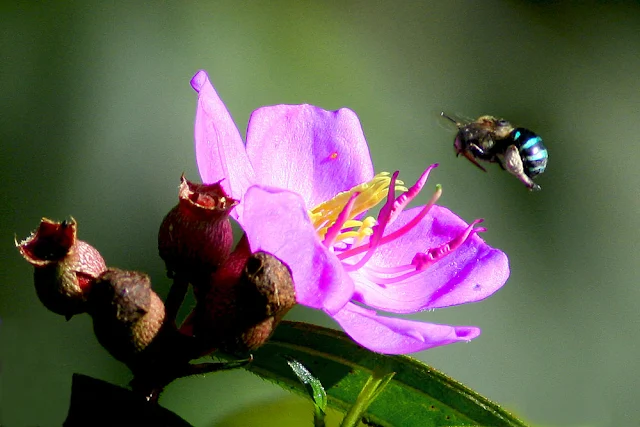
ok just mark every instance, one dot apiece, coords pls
pixel 365 229
pixel 369 195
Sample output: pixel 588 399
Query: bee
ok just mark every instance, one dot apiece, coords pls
pixel 517 150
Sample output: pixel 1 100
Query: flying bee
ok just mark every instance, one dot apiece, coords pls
pixel 517 150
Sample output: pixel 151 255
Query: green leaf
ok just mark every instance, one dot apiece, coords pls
pixel 314 389
pixel 417 395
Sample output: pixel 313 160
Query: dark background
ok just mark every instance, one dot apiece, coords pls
pixel 96 121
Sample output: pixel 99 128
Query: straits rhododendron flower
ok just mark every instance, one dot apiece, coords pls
pixel 305 182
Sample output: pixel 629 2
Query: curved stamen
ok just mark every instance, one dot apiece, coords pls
pixel 370 194
pixel 378 230
pixel 394 279
pixel 347 237
pixel 405 198
pixel 423 260
pixel 343 217
pixel 399 232
pixel 350 223
pixel 390 270
pixel 408 226
pixel 365 230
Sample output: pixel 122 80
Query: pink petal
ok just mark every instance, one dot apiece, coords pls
pixel 308 150
pixel 398 336
pixel 220 152
pixel 276 221
pixel 471 273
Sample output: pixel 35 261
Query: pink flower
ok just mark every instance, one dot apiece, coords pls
pixel 305 182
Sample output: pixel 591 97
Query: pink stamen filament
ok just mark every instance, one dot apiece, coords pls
pixel 424 260
pixel 416 220
pixel 421 261
pixel 378 230
pixel 349 224
pixel 399 232
pixel 369 192
pixel 390 270
pixel 365 230
pixel 390 280
pixel 405 198
pixel 343 217
pixel 376 188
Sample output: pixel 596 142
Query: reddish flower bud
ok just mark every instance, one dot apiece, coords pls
pixel 195 237
pixel 243 306
pixel 127 314
pixel 64 266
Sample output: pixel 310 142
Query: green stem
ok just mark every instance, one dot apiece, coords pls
pixel 371 390
pixel 318 417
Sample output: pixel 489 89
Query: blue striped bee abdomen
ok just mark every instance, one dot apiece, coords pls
pixel 532 151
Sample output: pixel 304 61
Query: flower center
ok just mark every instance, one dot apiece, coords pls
pixel 354 240
pixel 360 199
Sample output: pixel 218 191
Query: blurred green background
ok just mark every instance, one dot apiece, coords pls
pixel 96 117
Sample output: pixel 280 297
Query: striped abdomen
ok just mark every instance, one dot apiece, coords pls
pixel 532 151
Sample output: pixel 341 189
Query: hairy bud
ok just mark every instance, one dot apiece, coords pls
pixel 265 294
pixel 243 306
pixel 127 314
pixel 65 267
pixel 195 237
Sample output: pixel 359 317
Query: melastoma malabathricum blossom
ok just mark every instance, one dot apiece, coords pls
pixel 305 182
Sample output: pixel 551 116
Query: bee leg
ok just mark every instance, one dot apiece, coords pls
pixel 513 164
pixel 476 149
pixel 472 159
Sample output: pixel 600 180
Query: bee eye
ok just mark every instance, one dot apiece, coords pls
pixel 502 122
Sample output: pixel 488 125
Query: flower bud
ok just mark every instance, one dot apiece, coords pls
pixel 241 311
pixel 195 237
pixel 127 314
pixel 265 294
pixel 64 266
